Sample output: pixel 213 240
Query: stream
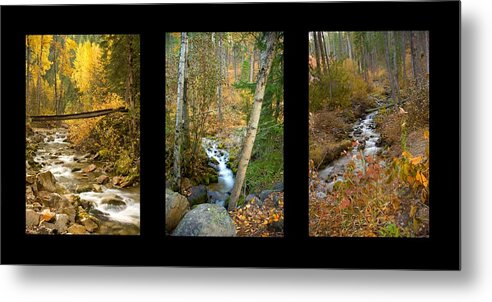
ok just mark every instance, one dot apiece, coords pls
pixel 367 142
pixel 59 157
pixel 220 191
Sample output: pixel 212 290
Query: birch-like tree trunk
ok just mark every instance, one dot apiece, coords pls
pixel 219 84
pixel 178 132
pixel 271 39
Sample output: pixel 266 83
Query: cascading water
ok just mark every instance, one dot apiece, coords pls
pixel 367 141
pixel 56 155
pixel 220 158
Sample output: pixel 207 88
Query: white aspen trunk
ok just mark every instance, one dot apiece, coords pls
pixel 349 45
pixel 271 39
pixel 178 132
pixel 219 85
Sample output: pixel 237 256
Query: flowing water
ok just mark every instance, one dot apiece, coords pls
pixel 366 143
pixel 58 156
pixel 219 159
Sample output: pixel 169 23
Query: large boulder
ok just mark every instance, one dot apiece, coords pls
pixel 46 181
pixel 176 207
pixel 206 220
pixel 198 195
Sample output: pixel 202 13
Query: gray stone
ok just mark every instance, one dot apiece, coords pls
pixel 176 207
pixel 32 218
pixel 206 220
pixel 61 223
pixel 46 181
pixel 278 186
pixel 198 195
pixel 265 194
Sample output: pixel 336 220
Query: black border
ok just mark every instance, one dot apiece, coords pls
pixel 439 252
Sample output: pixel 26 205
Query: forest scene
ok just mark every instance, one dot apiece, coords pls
pixel 369 134
pixel 83 134
pixel 224 134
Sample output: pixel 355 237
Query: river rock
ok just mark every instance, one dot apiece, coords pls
pixel 279 187
pixel 32 218
pixel 176 207
pixel 117 180
pixel 97 188
pixel 113 200
pixel 46 181
pixel 206 220
pixel 89 168
pixel 198 195
pixel 76 169
pixel 264 194
pixel 29 194
pixel 100 215
pixel 31 179
pixel 70 212
pixel 252 198
pixel 86 204
pixel 77 229
pixel 102 179
pixel 83 188
pixel 89 224
pixel 61 223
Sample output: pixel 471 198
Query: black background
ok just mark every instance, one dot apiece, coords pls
pixel 296 249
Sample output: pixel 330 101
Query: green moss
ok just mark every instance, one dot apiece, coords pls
pixel 124 163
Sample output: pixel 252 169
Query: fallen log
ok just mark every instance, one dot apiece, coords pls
pixel 74 116
pixel 384 106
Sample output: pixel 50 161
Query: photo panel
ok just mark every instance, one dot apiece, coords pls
pixel 369 134
pixel 224 134
pixel 82 134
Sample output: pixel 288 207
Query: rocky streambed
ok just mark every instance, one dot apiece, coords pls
pixel 68 192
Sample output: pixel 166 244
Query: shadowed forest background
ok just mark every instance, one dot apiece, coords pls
pixel 369 134
pixel 224 134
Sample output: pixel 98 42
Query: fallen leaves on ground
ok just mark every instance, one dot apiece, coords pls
pixel 255 220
